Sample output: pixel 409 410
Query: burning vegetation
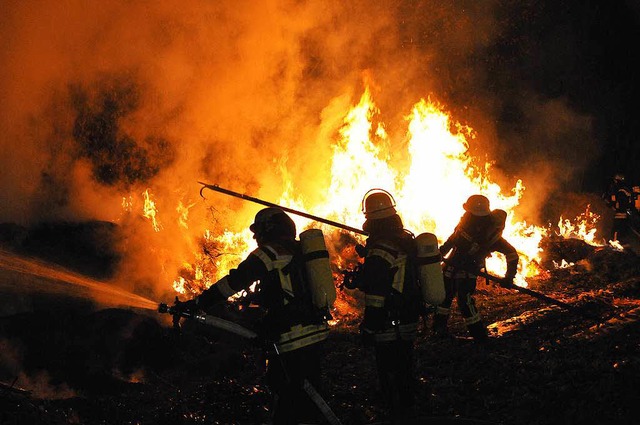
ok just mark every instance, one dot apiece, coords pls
pixel 307 105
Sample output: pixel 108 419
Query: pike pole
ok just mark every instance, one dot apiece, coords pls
pixel 217 188
pixel 535 294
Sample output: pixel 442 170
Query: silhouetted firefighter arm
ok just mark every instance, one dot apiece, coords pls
pixel 217 188
pixel 178 312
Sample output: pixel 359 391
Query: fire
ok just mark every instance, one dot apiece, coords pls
pixel 437 177
pixel 217 256
pixel 150 210
pixel 440 177
pixel 127 203
pixel 183 214
pixel 582 227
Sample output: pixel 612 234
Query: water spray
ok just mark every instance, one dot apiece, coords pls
pixel 59 279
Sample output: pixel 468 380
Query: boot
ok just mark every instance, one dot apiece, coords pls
pixel 478 331
pixel 440 325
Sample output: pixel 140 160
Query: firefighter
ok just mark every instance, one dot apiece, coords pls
pixel 295 328
pixel 477 235
pixel 392 301
pixel 620 198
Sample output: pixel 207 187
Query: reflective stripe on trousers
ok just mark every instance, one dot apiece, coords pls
pixel 300 336
pixel 404 332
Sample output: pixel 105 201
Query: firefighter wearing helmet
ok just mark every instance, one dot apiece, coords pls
pixel 292 326
pixel 620 197
pixel 392 300
pixel 477 235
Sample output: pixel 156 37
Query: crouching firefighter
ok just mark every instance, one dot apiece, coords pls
pixel 477 235
pixel 295 290
pixel 393 300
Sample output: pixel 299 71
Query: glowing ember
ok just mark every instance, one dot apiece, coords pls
pixel 616 245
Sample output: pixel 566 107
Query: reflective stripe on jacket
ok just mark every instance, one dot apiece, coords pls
pixel 299 335
pixel 288 321
pixel 273 260
pixel 391 306
pixel 396 259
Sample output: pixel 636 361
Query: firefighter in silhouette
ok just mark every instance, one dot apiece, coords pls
pixel 392 301
pixel 620 198
pixel 477 235
pixel 291 323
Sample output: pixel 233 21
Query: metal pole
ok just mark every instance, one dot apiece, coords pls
pixel 536 294
pixel 271 204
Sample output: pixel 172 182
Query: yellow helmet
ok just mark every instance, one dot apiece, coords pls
pixel 477 205
pixel 378 203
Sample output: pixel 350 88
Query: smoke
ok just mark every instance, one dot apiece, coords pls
pixel 102 102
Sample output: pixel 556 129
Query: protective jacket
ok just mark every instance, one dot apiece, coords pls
pixel 619 197
pixel 392 295
pixel 473 240
pixel 290 321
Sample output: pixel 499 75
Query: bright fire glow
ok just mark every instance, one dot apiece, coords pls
pixel 183 214
pixel 150 211
pixel 582 227
pixel 437 178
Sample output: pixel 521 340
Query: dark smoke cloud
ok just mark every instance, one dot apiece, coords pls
pixel 116 158
pixel 103 101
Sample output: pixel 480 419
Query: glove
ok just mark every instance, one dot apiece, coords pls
pixel 188 306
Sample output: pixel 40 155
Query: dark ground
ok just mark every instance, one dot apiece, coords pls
pixel 66 361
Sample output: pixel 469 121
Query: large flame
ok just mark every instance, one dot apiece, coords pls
pixel 429 191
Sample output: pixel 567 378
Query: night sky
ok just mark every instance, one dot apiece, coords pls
pixel 587 53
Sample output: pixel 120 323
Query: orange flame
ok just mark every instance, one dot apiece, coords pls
pixel 150 210
pixel 438 176
pixel 582 227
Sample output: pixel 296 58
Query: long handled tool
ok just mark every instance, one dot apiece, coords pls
pixel 535 294
pixel 237 329
pixel 271 204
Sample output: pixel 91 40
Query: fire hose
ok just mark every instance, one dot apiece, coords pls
pixel 237 329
